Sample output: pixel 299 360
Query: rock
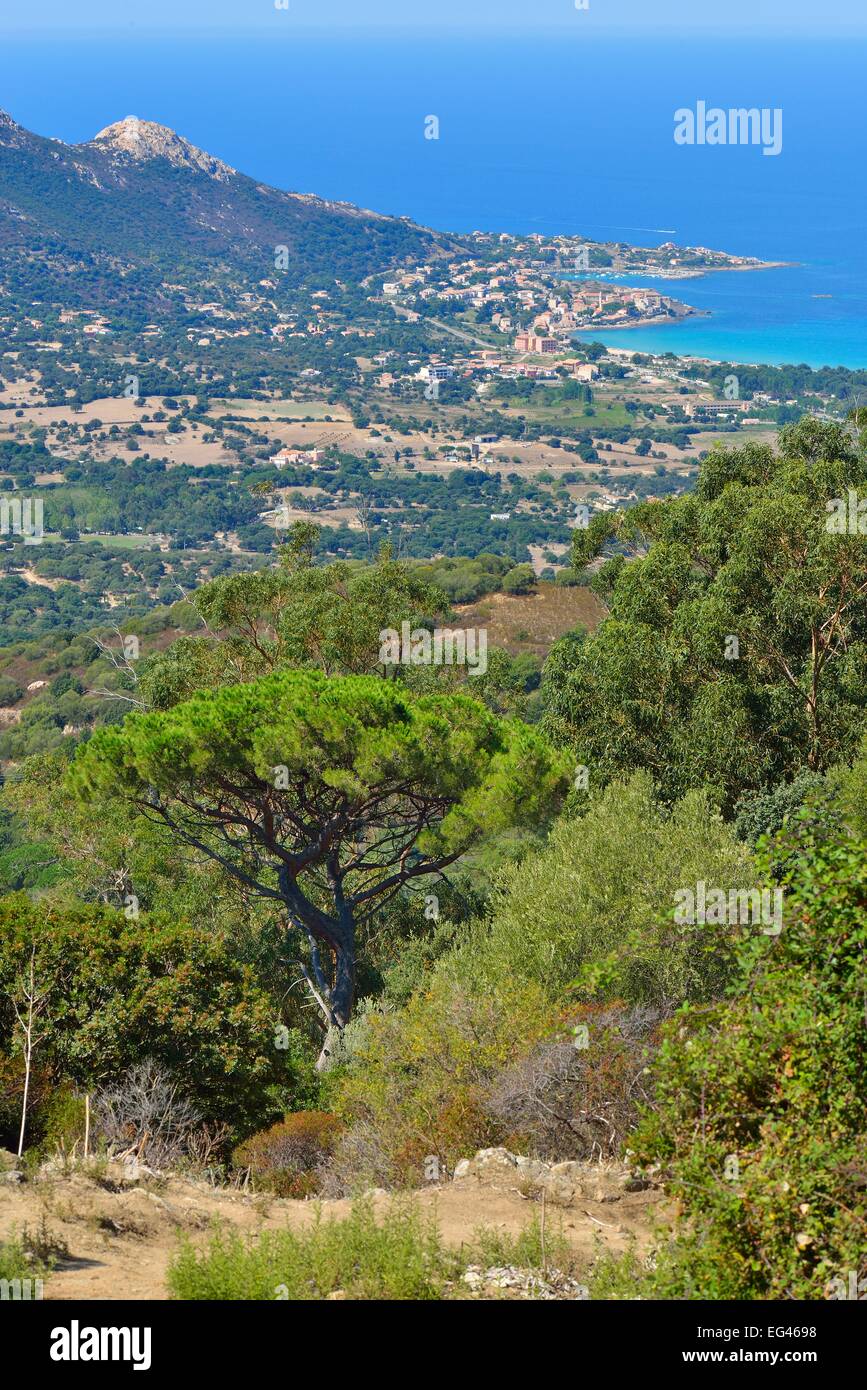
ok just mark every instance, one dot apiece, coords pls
pixel 570 1169
pixel 533 1168
pixel 12 1176
pixel 133 1171
pixel 559 1191
pixel 561 1183
pixel 524 1283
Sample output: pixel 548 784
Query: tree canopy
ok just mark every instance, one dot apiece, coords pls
pixel 735 651
pixel 327 795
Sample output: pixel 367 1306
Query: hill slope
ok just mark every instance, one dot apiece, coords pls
pixel 140 204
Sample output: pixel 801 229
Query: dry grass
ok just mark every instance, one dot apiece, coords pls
pixel 533 622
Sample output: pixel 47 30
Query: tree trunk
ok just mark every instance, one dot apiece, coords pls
pixel 24 1100
pixel 341 1000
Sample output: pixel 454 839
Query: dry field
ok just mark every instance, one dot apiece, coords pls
pixel 533 622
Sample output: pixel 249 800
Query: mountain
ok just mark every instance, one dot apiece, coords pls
pixel 142 204
pixel 143 140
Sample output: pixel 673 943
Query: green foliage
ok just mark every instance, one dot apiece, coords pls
pixel 761 1099
pixel 735 652
pixel 595 907
pixel 400 1256
pixel 396 1255
pixel 19 1261
pixel 535 1247
pixel 327 795
pixel 518 580
pixel 10 691
pixel 418 1079
pixel 766 812
pixel 328 617
pixel 118 990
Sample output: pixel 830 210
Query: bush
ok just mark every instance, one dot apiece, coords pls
pixel 10 691
pixel 518 580
pixel 761 1099
pixel 286 1159
pixel 118 989
pixel 12 1097
pixel 766 812
pixel 62 1121
pixel 359 1162
pixel 597 904
pixel 147 1114
pixel 565 1100
pixel 401 1256
pixel 418 1079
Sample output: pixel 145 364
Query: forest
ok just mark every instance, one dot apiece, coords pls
pixel 296 918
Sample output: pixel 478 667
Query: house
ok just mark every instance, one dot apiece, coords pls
pixel 310 457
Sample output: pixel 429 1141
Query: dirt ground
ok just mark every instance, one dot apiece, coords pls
pixel 121 1235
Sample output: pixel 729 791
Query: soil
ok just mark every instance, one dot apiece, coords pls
pixel 121 1235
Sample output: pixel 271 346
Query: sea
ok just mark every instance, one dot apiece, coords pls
pixel 571 133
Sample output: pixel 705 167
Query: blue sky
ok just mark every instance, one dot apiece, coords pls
pixel 829 18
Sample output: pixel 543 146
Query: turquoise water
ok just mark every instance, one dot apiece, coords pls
pixel 771 316
pixel 573 134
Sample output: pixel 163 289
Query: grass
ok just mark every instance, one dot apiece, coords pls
pixel 545 614
pixel 30 1256
pixel 15 1261
pixel 400 1256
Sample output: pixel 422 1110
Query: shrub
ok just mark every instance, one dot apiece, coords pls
pixel 518 580
pixel 598 903
pixel 62 1121
pixel 287 1158
pixel 418 1079
pixel 399 1257
pixel 118 989
pixel 567 1101
pixel 10 691
pixel 12 1097
pixel 761 1099
pixel 766 812
pixel 147 1114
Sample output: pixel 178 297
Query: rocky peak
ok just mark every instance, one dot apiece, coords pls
pixel 147 140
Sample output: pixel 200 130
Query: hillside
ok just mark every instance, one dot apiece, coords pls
pixel 118 1230
pixel 116 216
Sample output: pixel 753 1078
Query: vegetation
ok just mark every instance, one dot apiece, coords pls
pixel 398 1256
pixel 285 911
